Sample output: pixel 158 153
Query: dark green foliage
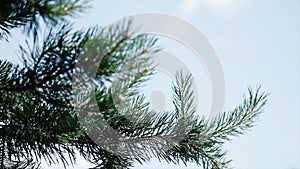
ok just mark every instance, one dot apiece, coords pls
pixel 38 120
pixel 29 13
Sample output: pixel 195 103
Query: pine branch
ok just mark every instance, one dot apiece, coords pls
pixel 240 119
pixel 29 13
pixel 183 95
pixel 37 119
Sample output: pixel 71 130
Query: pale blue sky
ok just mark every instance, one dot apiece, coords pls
pixel 258 43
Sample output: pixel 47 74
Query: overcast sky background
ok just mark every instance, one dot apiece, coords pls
pixel 258 43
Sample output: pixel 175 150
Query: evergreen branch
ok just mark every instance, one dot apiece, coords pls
pixel 27 13
pixel 5 71
pixel 184 100
pixel 37 120
pixel 240 119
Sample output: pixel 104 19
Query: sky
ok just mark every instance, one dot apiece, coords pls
pixel 257 42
